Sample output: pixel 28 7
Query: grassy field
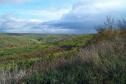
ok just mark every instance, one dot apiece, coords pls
pixel 23 52
pixel 64 59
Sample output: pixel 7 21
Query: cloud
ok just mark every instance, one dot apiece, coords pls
pixel 44 14
pixel 88 14
pixel 12 25
pixel 40 14
pixel 81 18
pixel 99 4
pixel 14 1
pixel 30 21
pixel 91 8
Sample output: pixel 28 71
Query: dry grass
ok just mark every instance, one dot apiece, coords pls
pixel 103 61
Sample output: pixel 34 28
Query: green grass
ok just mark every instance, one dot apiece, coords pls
pixel 103 61
pixel 47 59
pixel 35 47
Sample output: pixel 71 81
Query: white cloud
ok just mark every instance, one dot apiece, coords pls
pixel 33 22
pixel 46 14
pixel 92 13
pixel 98 6
pixel 88 11
pixel 14 1
pixel 50 30
pixel 14 25
pixel 96 9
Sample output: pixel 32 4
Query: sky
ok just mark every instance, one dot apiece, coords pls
pixel 43 10
pixel 57 16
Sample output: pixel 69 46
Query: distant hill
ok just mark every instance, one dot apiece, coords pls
pixel 14 40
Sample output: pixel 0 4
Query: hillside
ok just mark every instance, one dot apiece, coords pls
pixel 24 51
pixel 69 59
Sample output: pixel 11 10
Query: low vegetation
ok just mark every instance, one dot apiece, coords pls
pixel 67 59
